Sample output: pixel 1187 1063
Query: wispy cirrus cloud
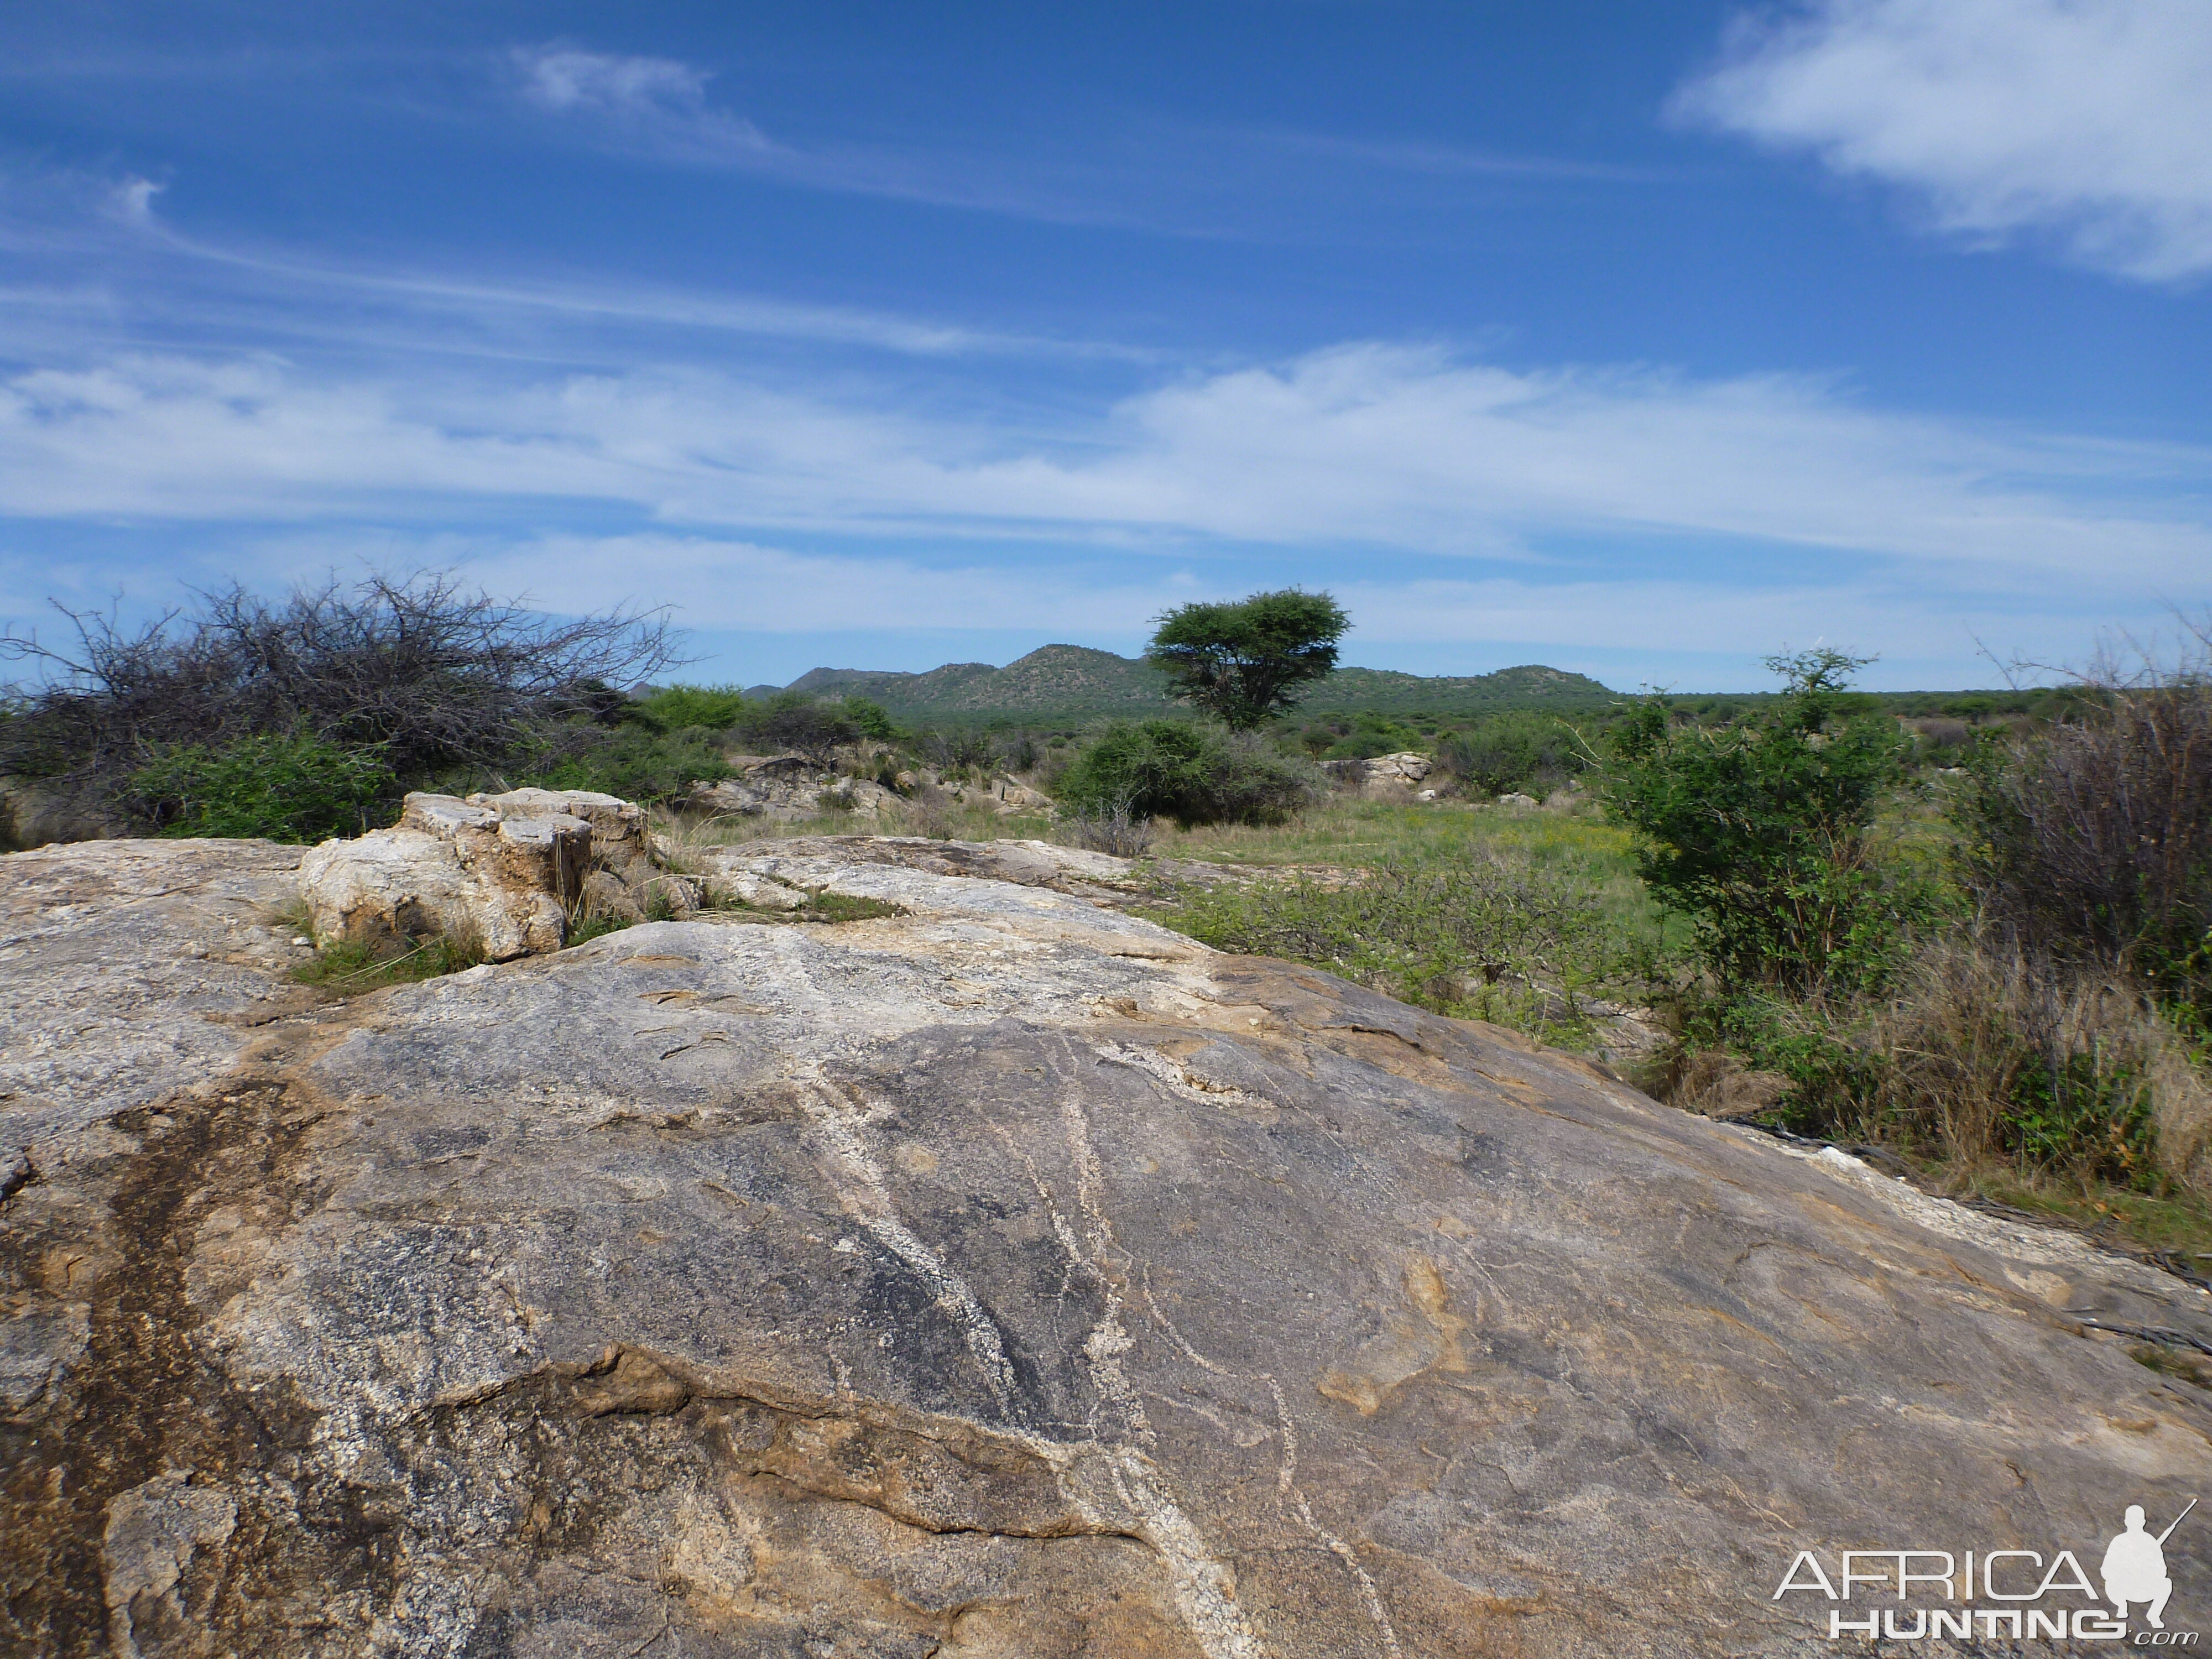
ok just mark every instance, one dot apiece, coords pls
pixel 2086 121
pixel 1135 170
pixel 659 109
pixel 81 230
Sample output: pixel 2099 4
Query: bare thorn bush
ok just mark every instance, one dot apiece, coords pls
pixel 1113 827
pixel 428 672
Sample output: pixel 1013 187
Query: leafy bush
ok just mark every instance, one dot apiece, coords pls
pixel 290 788
pixel 872 719
pixel 632 762
pixel 1361 737
pixel 1506 752
pixel 1761 831
pixel 1190 773
pixel 679 708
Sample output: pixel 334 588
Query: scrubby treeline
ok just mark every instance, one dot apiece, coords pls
pixel 311 716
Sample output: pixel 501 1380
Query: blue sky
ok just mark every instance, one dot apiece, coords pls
pixel 1644 341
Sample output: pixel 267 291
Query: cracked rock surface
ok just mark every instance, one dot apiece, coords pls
pixel 1007 1277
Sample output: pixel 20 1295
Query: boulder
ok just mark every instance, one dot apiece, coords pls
pixel 1406 769
pixel 1515 797
pixel 502 880
pixel 1381 777
pixel 621 842
pixel 864 796
pixel 1003 1276
pixel 784 788
pixel 790 787
pixel 1010 796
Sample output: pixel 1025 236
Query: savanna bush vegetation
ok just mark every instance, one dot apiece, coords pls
pixel 2000 965
pixel 1191 772
pixel 1975 932
pixel 289 787
pixel 1476 932
pixel 311 715
pixel 429 673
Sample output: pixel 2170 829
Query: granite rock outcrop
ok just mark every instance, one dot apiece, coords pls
pixel 1001 1275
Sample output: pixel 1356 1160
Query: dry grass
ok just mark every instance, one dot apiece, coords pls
pixel 2055 1069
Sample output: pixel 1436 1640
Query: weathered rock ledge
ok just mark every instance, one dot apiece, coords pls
pixel 1006 1277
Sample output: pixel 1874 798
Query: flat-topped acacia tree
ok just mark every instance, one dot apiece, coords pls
pixel 1244 662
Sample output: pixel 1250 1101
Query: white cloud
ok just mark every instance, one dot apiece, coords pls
pixel 654 101
pixel 133 201
pixel 745 587
pixel 1367 451
pixel 2090 120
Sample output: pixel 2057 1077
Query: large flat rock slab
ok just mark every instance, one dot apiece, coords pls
pixel 1007 1277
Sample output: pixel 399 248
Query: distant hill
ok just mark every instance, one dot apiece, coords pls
pixel 1532 685
pixel 1073 682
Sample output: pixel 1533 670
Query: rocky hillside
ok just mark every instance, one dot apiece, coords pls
pixel 1000 1275
pixel 1073 681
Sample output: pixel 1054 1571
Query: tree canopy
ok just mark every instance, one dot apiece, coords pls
pixel 1244 662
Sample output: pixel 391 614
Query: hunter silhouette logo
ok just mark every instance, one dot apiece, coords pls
pixel 2013 1593
pixel 2135 1567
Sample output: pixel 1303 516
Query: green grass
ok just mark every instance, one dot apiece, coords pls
pixel 1572 843
pixel 594 927
pixel 349 966
pixel 1522 917
pixel 826 907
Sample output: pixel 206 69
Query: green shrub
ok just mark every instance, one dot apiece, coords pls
pixel 294 787
pixel 1190 773
pixel 872 719
pixel 1366 736
pixel 632 762
pixel 1512 752
pixel 1760 832
pixel 678 707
